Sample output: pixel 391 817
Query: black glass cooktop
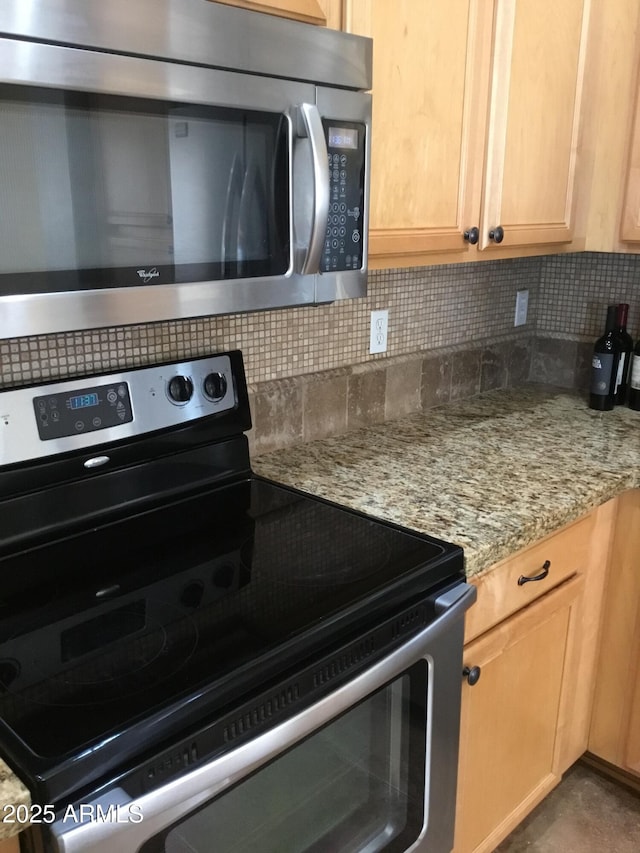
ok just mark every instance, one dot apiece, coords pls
pixel 110 630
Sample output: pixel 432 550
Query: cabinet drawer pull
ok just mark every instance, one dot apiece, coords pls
pixel 545 571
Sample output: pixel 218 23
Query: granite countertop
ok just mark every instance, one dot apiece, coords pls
pixel 12 793
pixel 492 474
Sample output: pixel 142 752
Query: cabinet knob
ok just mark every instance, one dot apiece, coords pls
pixel 523 579
pixel 497 234
pixel 472 235
pixel 472 674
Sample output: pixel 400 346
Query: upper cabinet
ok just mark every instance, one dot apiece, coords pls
pixel 475 124
pixel 609 200
pixel 630 224
pixel 324 12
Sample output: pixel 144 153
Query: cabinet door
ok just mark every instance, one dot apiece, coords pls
pixel 430 82
pixel 630 225
pixel 510 717
pixel 532 137
pixel 615 723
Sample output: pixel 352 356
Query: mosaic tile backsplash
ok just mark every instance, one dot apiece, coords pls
pixel 429 307
pixel 573 293
pixel 450 335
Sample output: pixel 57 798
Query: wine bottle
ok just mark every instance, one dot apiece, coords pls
pixel 626 349
pixel 634 379
pixel 604 365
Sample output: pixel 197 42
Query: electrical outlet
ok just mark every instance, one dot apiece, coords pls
pixel 522 303
pixel 378 332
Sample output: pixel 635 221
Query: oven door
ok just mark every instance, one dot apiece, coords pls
pixel 370 767
pixel 153 190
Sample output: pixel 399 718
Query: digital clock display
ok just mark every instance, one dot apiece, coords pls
pixel 343 137
pixel 83 401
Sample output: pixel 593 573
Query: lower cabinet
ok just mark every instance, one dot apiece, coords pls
pixel 510 717
pixel 615 726
pixel 533 635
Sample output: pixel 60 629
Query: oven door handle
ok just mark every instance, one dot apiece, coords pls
pixel 142 818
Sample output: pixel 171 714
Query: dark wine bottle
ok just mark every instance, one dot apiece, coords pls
pixel 604 365
pixel 626 349
pixel 634 379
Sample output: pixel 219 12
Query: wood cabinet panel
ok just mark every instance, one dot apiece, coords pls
pixel 430 73
pixel 500 595
pixel 630 224
pixel 609 107
pixel 510 717
pixel 476 109
pixel 615 725
pixel 538 67
pixel 582 652
pixel 526 720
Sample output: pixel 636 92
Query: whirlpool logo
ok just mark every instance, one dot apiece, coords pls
pixel 147 275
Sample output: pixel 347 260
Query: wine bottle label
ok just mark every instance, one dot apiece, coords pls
pixel 635 373
pixel 601 371
pixel 620 375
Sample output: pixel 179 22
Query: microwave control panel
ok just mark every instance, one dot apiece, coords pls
pixel 346 152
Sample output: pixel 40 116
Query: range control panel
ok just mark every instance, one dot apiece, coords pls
pixel 82 410
pixel 346 152
pixel 44 420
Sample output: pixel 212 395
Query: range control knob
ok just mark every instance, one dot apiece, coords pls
pixel 215 386
pixel 180 389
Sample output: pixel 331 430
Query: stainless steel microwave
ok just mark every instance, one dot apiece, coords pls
pixel 167 159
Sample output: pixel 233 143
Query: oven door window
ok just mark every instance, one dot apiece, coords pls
pixel 358 784
pixel 111 191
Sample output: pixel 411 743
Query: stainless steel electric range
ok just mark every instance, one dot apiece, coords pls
pixel 194 658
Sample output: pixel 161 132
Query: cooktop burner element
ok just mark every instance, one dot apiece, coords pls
pixel 142 591
pixel 132 653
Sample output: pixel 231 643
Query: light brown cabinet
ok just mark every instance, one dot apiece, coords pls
pixel 615 726
pixel 630 221
pixel 324 12
pixel 510 717
pixel 608 201
pixel 10 845
pixel 526 719
pixel 475 124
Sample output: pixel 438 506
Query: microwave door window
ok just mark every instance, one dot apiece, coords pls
pixel 205 157
pixel 229 193
pixel 127 221
pixel 225 184
pixel 228 240
pixel 104 188
pixel 253 224
pixel 35 187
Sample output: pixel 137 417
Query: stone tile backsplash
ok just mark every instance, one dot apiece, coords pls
pixel 450 336
pixel 331 402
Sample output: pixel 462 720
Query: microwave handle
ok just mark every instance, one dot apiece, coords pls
pixel 313 129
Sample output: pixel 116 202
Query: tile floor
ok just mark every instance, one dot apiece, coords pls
pixel 586 813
